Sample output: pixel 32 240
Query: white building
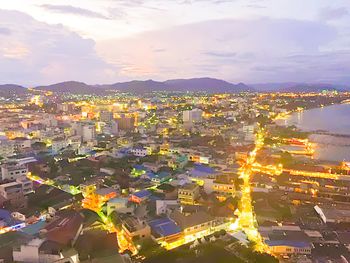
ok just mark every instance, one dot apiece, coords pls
pixel 12 171
pixel 89 132
pixel 41 251
pixel 140 152
pixel 190 116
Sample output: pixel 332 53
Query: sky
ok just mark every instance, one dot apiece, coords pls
pixel 108 41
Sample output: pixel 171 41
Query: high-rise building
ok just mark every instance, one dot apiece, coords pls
pixel 194 115
pixel 126 122
pixel 89 132
pixel 106 116
pixel 114 128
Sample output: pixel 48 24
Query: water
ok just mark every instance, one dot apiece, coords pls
pixel 334 119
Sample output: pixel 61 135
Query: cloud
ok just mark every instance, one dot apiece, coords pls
pixel 73 10
pixel 5 31
pixel 333 13
pixel 37 53
pixel 220 54
pixel 255 50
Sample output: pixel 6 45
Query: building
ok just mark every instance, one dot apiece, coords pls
pixel 118 204
pixel 332 214
pixel 166 232
pixel 58 145
pixel 135 228
pixel 13 194
pixel 89 132
pixel 220 189
pixel 192 116
pixel 64 107
pixel 194 226
pixel 114 128
pixel 21 144
pixel 6 148
pixel 126 122
pixel 286 247
pixel 13 170
pixel 43 251
pixel 139 151
pixel 27 185
pixel 140 196
pixel 106 116
pixel 188 194
pixel 64 230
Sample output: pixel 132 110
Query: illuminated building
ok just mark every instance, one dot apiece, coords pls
pixel 140 196
pixel 286 247
pixel 195 225
pixel 166 232
pixel 198 158
pixel 188 194
pixel 220 189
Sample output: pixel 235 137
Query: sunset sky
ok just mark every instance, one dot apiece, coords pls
pixel 106 41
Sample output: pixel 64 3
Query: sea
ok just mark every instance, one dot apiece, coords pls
pixel 334 120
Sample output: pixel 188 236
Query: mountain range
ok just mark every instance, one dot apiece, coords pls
pixel 210 85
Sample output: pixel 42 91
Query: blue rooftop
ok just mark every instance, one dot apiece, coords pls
pixel 200 170
pixel 164 227
pixel 204 168
pixel 289 243
pixel 142 194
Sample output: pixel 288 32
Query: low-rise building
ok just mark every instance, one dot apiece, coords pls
pixel 43 251
pixel 27 185
pixel 13 170
pixel 288 247
pixel 188 193
pixel 135 228
pixel 13 193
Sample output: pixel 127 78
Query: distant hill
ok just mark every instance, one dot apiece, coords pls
pixel 72 87
pixel 12 89
pixel 137 86
pixel 193 85
pixel 210 85
pixel 143 86
pixel 206 84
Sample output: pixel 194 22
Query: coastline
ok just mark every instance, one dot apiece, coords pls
pixel 331 145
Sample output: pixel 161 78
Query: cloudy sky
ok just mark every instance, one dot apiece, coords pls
pixel 106 41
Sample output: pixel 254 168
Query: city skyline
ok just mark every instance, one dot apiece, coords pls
pixel 44 42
